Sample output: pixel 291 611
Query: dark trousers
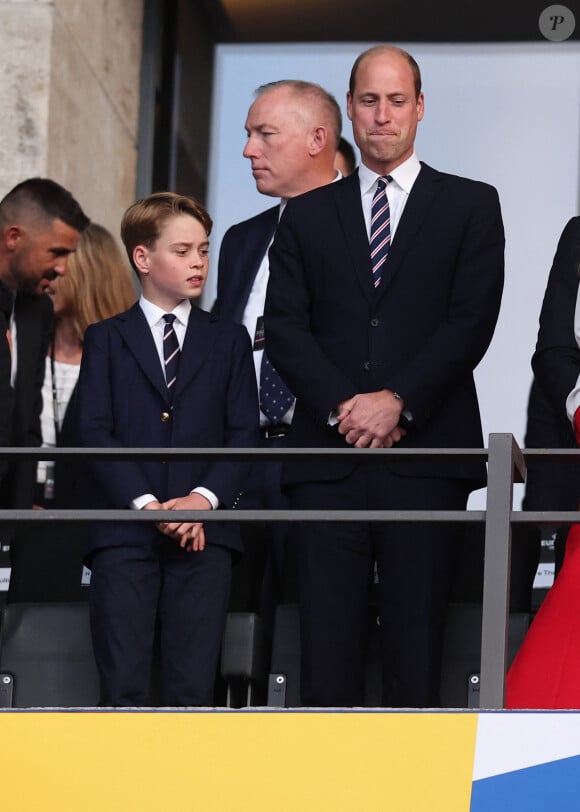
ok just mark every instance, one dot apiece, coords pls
pixel 138 589
pixel 263 576
pixel 335 562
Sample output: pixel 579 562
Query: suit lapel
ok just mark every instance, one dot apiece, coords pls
pixel 251 257
pixel 416 209
pixel 348 202
pixel 136 333
pixel 197 344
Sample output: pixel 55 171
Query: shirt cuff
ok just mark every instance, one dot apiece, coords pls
pixel 140 501
pixel 209 495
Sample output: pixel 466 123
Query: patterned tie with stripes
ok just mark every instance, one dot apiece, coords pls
pixel 380 238
pixel 171 352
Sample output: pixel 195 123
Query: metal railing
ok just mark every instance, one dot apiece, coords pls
pixel 506 466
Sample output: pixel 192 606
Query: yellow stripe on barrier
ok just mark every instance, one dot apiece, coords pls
pixel 281 761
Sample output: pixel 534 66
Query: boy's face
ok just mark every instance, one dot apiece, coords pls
pixel 175 267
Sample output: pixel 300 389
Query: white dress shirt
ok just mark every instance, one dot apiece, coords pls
pixel 573 399
pixel 154 316
pixel 404 176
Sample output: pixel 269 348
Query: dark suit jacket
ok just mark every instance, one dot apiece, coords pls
pixel 6 391
pixel 34 318
pixel 241 252
pixel 556 361
pixel 556 364
pixel 421 333
pixel 123 402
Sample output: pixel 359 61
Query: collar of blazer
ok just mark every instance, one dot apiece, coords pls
pixel 199 341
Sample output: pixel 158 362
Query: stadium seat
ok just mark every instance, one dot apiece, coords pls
pixel 46 657
pixel 462 652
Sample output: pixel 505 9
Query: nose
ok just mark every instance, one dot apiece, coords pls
pixel 382 110
pixel 60 266
pixel 250 150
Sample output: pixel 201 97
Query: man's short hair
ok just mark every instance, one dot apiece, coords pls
pixel 377 49
pixel 42 199
pixel 143 221
pixel 313 93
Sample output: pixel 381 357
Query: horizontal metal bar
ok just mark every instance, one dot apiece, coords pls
pixel 551 454
pixel 43 516
pixel 545 516
pixel 237 454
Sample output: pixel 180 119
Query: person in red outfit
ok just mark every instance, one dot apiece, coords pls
pixel 546 671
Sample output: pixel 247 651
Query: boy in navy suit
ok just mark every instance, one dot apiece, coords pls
pixel 164 374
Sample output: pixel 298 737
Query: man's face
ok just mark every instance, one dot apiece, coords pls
pixel 278 142
pixel 384 111
pixel 38 253
pixel 176 266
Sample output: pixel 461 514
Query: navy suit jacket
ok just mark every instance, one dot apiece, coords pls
pixel 556 361
pixel 421 333
pixel 123 402
pixel 241 252
pixel 33 315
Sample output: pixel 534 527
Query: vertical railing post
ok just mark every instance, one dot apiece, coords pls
pixel 505 466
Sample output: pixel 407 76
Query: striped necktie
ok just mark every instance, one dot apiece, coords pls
pixel 380 237
pixel 171 352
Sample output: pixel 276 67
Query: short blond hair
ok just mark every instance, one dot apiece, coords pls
pixel 143 221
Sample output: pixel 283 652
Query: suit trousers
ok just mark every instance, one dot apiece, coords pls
pixel 138 589
pixel 416 563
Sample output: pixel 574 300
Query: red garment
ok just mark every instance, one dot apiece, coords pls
pixel 546 670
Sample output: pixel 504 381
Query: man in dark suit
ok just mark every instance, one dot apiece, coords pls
pixel 136 389
pixel 382 351
pixel 556 365
pixel 40 223
pixel 293 129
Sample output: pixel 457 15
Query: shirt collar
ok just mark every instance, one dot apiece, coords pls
pixel 153 313
pixel 405 175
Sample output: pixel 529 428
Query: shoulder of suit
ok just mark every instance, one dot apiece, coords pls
pixel 458 181
pixel 264 218
pixel 316 197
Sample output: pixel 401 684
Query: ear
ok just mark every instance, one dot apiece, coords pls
pixel 141 258
pixel 349 105
pixel 12 237
pixel 318 140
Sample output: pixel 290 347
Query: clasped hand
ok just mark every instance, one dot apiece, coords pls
pixel 190 535
pixel 371 420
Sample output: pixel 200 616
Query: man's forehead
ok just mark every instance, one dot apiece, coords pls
pixel 277 101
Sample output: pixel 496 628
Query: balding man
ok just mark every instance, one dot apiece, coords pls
pixel 293 129
pixel 383 297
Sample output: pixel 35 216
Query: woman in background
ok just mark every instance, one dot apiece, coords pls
pixel 47 566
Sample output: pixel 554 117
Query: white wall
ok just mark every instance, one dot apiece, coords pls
pixel 506 114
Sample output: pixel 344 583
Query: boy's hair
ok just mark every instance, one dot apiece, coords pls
pixel 143 221
pixel 44 200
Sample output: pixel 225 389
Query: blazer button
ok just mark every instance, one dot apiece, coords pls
pixel 374 322
pixel 165 416
pixel 367 365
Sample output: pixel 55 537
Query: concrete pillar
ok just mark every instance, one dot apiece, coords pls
pixel 69 95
